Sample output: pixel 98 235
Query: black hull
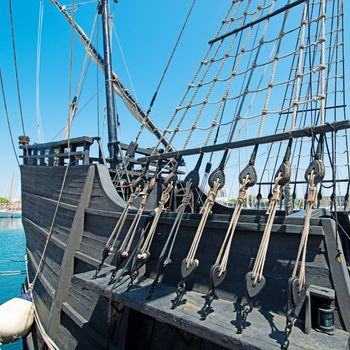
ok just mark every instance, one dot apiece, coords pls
pixel 80 313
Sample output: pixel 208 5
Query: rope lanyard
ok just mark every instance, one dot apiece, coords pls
pixel 216 181
pixel 247 178
pixel 191 183
pixel 299 271
pixel 142 252
pixel 165 255
pixel 145 248
pixel 314 175
pixel 109 247
pixel 255 281
pixel 123 251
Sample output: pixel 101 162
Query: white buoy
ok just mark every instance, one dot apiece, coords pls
pixel 16 318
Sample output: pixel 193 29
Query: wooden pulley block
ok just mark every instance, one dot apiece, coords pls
pixel 250 172
pixel 217 175
pixel 215 277
pixel 187 270
pixel 285 171
pixel 253 289
pixel 318 167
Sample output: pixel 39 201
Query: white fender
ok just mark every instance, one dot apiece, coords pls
pixel 16 318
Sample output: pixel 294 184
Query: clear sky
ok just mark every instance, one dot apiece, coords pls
pixel 147 31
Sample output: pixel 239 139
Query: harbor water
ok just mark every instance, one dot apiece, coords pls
pixel 12 265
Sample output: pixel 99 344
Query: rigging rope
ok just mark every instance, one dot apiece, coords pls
pixel 314 175
pixel 143 248
pixel 146 245
pixel 247 178
pixel 299 70
pixel 8 118
pixel 124 60
pixel 50 232
pixel 272 77
pixel 255 281
pixel 254 65
pixel 322 63
pixel 82 75
pixel 71 103
pixel 190 263
pixel 109 246
pixel 165 71
pixel 16 66
pixel 165 255
pixel 37 82
pixel 97 89
pixel 234 71
pixel 124 248
pixel 225 21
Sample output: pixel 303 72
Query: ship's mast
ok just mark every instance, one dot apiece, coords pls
pixel 110 107
pixel 129 101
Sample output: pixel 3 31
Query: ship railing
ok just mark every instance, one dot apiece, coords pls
pixel 308 131
pixel 77 150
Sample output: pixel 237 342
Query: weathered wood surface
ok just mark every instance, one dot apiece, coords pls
pixel 84 319
pixel 67 266
pixel 264 331
pixel 73 141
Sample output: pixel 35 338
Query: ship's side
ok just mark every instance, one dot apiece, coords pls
pixel 75 209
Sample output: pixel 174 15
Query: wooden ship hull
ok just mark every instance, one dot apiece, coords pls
pixel 71 207
pixel 78 312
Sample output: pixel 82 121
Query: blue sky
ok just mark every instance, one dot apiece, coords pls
pixel 147 31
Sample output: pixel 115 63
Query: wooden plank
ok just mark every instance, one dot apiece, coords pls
pixel 297 133
pixel 55 144
pixel 58 155
pixel 339 271
pixel 220 326
pixel 67 266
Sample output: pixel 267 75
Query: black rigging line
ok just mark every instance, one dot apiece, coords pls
pixel 280 114
pixel 224 106
pixel 171 56
pixel 341 16
pixel 16 68
pixel 312 56
pixel 71 103
pixel 168 64
pixel 97 86
pixel 240 102
pixel 280 10
pixel 7 118
pixel 341 11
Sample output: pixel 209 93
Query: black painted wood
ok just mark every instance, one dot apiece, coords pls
pixel 84 310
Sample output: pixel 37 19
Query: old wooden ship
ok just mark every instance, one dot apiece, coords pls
pixel 140 249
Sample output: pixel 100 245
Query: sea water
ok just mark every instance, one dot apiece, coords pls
pixel 12 255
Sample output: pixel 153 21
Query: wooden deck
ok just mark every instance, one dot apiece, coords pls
pixel 265 330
